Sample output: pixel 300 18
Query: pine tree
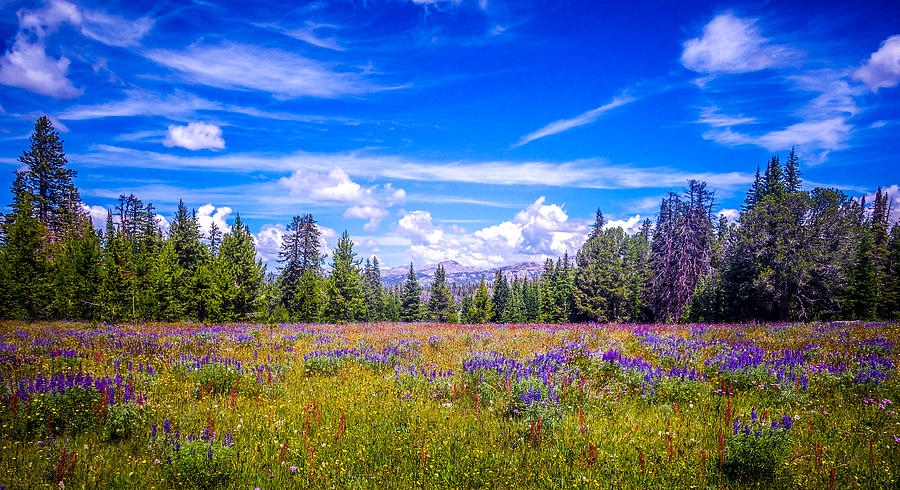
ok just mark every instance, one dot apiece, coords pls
pixel 23 263
pixel 163 296
pixel 531 300
pixel 792 173
pixel 600 285
pixel 215 239
pixel 514 310
pixel 308 306
pixel 117 294
pixel 500 296
pixel 863 284
pixel 373 291
pixel 681 250
pixel 56 200
pixel 300 252
pixel 441 305
pixel 238 275
pixel 76 273
pixel 482 309
pixel 755 193
pixel 410 302
pixel 344 298
pixel 773 181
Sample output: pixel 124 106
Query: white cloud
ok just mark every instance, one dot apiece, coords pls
pixel 281 73
pixel 308 34
pixel 209 214
pixel 113 29
pixel 882 69
pixel 163 223
pixel 372 213
pixel 593 173
pixel 26 65
pixel 829 134
pixel 195 136
pixel 335 186
pixel 417 226
pixel 732 45
pixel 98 215
pixel 46 20
pixel 824 124
pixel 825 135
pixel 394 196
pixel 538 232
pixel 579 120
pixel 730 214
pixel 630 225
pixel 268 242
pixel 713 117
pixel 178 105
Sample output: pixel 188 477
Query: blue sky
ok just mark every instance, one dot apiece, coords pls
pixel 485 132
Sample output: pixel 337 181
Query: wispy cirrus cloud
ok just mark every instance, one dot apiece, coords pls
pixel 179 105
pixel 582 119
pixel 26 63
pixel 595 173
pixel 281 73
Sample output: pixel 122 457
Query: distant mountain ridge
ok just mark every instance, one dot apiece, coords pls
pixel 460 274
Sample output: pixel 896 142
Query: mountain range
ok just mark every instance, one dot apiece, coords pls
pixel 460 274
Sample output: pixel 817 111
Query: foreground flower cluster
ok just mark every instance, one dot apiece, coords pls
pixel 435 405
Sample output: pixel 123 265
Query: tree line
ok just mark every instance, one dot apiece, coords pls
pixel 792 254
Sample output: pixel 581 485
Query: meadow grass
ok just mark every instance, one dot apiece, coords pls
pixel 387 405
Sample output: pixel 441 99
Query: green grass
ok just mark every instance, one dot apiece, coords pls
pixel 358 425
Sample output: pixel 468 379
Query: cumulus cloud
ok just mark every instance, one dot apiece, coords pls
pixel 882 69
pixel 195 136
pixel 163 223
pixel 630 225
pixel 579 120
pixel 418 227
pixel 535 233
pixel 372 213
pixel 730 214
pixel 98 215
pixel 281 73
pixel 335 187
pixel 268 242
pixel 730 44
pixel 209 214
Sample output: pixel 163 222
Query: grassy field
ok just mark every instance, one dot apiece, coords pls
pixel 431 405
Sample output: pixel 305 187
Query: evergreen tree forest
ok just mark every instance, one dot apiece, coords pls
pixel 792 254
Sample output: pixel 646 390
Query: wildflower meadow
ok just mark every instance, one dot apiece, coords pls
pixel 395 405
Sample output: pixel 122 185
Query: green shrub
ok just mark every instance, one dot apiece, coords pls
pixel 322 364
pixel 756 450
pixel 200 464
pixel 216 378
pixel 122 421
